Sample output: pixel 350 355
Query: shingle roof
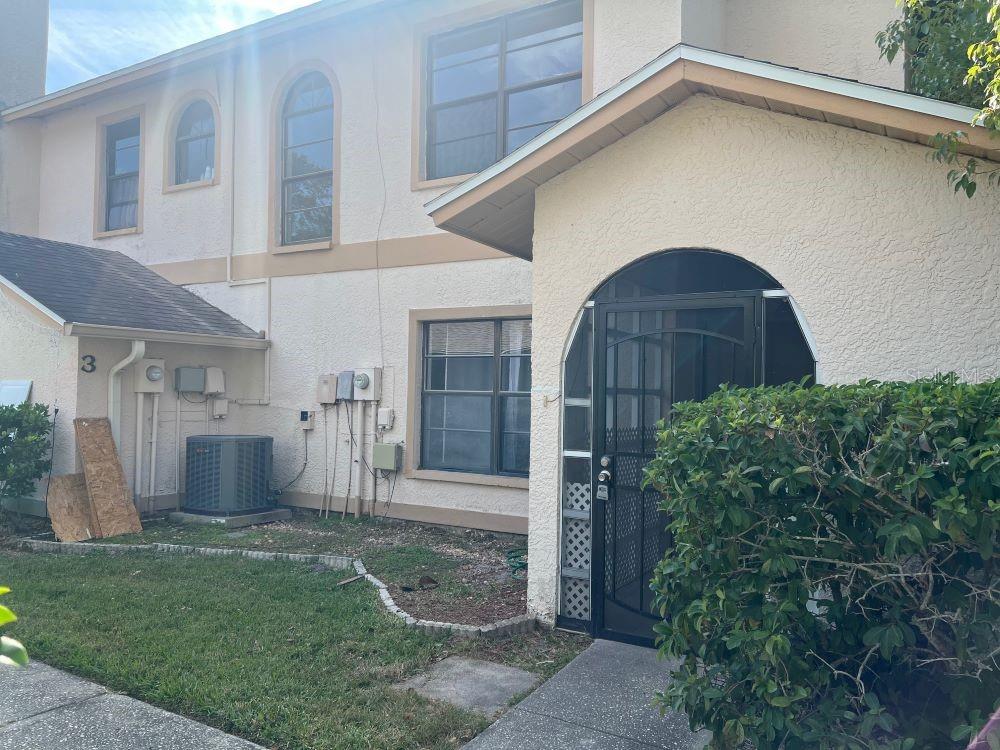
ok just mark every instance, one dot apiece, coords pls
pixel 88 285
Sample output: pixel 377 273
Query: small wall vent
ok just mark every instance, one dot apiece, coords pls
pixel 228 474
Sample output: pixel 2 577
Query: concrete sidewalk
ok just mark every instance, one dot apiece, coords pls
pixel 42 708
pixel 602 700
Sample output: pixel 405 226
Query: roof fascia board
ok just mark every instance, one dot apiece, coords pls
pixel 832 85
pixel 170 61
pixel 167 337
pixel 769 71
pixel 29 300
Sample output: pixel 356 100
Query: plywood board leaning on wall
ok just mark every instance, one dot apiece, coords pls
pixel 110 498
pixel 70 510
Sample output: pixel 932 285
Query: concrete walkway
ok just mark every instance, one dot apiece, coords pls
pixel 42 708
pixel 602 700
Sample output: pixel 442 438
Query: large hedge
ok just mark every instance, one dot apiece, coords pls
pixel 833 581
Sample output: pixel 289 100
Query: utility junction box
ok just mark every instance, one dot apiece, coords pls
pixel 189 379
pixel 387 456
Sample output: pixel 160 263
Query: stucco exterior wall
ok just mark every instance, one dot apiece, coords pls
pixel 897 277
pixel 837 38
pixel 23 48
pixel 34 348
pixel 326 323
pixel 244 371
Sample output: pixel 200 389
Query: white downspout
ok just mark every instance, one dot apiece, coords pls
pixel 177 450
pixel 152 451
pixel 140 401
pixel 114 389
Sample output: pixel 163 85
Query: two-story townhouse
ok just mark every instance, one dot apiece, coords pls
pixel 281 173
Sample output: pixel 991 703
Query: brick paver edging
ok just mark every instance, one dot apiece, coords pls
pixel 499 629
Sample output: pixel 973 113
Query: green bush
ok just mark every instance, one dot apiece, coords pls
pixel 24 447
pixel 833 580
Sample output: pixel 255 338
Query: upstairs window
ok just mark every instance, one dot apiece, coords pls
pixel 494 86
pixel 476 408
pixel 307 161
pixel 121 194
pixel 194 146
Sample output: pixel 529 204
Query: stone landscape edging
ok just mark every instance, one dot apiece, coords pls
pixel 499 629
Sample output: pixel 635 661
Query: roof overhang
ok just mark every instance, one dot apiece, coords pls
pixel 171 63
pixel 496 206
pixel 167 337
pixel 120 332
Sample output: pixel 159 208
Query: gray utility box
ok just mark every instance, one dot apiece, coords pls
pixel 387 456
pixel 189 379
pixel 228 474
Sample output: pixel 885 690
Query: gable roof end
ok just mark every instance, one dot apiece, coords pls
pixel 496 206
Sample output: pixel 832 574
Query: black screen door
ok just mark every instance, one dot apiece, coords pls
pixel 648 356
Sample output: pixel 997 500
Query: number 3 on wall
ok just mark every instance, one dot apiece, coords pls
pixel 89 363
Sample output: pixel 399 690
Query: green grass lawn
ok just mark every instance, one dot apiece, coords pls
pixel 470 566
pixel 274 652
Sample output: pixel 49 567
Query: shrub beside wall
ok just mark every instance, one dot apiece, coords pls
pixel 24 447
pixel 834 578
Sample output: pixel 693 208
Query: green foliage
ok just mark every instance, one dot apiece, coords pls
pixel 953 53
pixel 833 581
pixel 935 37
pixel 12 653
pixel 24 447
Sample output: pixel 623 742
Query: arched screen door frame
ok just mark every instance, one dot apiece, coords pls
pixel 629 535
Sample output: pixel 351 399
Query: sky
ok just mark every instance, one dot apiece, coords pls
pixel 88 38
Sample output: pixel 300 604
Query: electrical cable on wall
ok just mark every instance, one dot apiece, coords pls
pixel 305 437
pixel 350 429
pixel 326 457
pixel 52 453
pixel 336 450
pixel 381 216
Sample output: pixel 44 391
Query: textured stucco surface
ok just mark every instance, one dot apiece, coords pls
pixel 244 370
pixel 896 276
pixel 31 349
pixel 329 322
pixel 326 322
pixel 23 47
pixel 837 38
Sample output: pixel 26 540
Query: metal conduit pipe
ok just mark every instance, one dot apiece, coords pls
pixel 154 428
pixel 140 401
pixel 114 389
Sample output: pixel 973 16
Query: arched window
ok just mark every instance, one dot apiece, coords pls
pixel 307 161
pixel 194 147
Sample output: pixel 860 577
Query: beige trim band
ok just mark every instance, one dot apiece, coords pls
pixel 397 252
pixel 470 519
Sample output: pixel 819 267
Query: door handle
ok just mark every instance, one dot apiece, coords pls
pixel 604 477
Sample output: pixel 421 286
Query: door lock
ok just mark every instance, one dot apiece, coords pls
pixel 604 477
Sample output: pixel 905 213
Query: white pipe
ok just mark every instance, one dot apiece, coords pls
pixel 154 425
pixel 362 493
pixel 114 389
pixel 177 449
pixel 140 400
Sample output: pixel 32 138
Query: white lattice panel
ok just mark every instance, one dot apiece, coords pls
pixel 576 543
pixel 575 598
pixel 576 496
